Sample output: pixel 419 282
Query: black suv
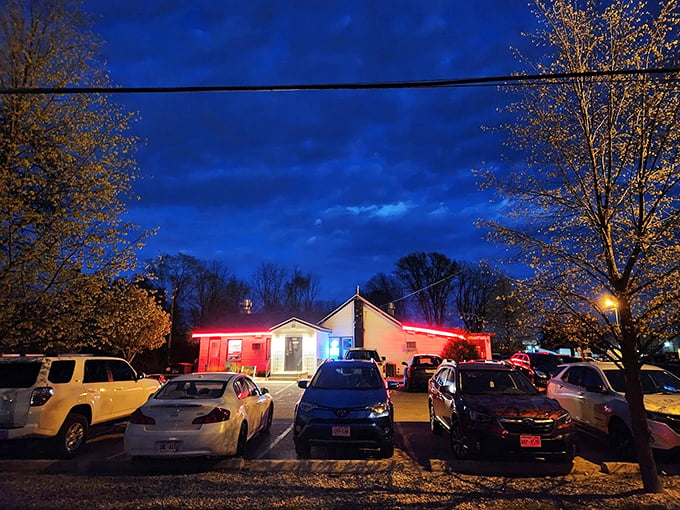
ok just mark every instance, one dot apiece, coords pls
pixel 346 403
pixel 418 370
pixel 490 406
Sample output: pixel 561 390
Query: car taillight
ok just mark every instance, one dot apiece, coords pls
pixel 216 415
pixel 41 395
pixel 139 418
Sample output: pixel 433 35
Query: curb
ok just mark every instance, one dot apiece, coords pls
pixel 620 468
pixel 151 466
pixel 579 466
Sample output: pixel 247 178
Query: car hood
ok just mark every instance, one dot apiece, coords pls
pixel 344 398
pixel 661 403
pixel 515 405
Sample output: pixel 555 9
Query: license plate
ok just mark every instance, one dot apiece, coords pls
pixel 530 441
pixel 340 431
pixel 168 446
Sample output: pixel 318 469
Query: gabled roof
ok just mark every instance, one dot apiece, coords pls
pixel 357 297
pixel 296 319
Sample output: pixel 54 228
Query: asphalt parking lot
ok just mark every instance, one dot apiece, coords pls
pixel 275 451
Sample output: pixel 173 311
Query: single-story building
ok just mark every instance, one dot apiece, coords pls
pixel 280 344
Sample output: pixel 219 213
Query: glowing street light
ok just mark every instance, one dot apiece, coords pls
pixel 611 304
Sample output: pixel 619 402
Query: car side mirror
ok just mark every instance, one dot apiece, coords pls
pixel 404 363
pixel 303 384
pixel 264 390
pixel 392 385
pixel 141 375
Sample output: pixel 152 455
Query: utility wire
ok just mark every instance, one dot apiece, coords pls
pixel 424 288
pixel 419 84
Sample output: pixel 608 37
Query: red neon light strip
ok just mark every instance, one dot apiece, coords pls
pixel 432 332
pixel 250 333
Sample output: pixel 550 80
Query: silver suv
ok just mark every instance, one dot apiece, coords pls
pixel 59 397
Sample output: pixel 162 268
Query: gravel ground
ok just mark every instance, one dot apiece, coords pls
pixel 406 486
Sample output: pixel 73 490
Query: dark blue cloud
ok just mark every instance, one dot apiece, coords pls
pixel 338 183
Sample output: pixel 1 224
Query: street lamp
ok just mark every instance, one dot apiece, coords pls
pixel 611 304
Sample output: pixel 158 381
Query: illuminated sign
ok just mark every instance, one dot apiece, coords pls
pixel 428 331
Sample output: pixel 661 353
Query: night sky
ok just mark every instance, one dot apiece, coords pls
pixel 338 183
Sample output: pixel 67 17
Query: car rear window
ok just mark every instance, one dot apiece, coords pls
pixel 366 354
pixel 427 361
pixel 19 375
pixel 195 389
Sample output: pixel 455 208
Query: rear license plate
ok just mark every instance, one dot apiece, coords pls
pixel 168 446
pixel 340 431
pixel 530 441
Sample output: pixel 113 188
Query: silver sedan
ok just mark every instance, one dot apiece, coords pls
pixel 200 414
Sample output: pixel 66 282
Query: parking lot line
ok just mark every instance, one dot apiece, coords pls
pixel 276 441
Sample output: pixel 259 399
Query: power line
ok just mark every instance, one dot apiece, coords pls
pixel 417 84
pixel 424 288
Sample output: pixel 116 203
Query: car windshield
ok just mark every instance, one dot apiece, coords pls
pixel 191 390
pixel 653 381
pixel 330 377
pixel 495 382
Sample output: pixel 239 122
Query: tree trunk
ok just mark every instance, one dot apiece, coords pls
pixel 638 415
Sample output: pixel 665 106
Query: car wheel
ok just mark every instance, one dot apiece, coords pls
pixel 387 451
pixel 621 441
pixel 242 440
pixel 407 385
pixel 302 449
pixel 459 445
pixel 71 436
pixel 435 426
pixel 268 420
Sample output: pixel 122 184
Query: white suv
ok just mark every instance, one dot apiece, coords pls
pixel 59 397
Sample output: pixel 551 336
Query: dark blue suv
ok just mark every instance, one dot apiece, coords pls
pixel 346 404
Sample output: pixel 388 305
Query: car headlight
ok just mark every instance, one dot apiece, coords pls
pixel 306 407
pixel 379 409
pixel 479 417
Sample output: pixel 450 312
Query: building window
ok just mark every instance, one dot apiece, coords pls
pixel 411 346
pixel 257 347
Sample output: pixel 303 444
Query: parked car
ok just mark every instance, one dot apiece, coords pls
pixel 202 414
pixel 60 397
pixel 346 403
pixel 594 395
pixel 491 406
pixel 367 354
pixel 418 370
pixel 539 367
